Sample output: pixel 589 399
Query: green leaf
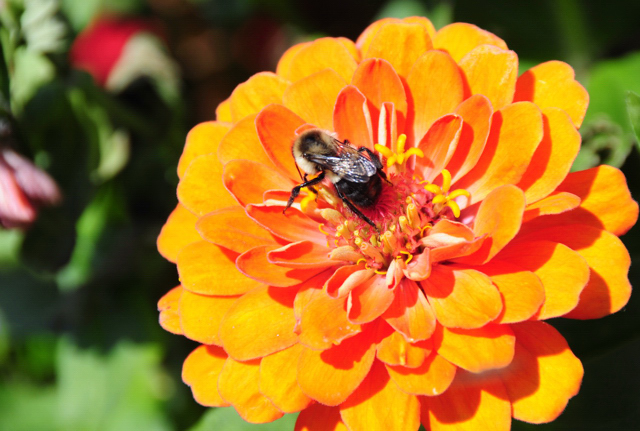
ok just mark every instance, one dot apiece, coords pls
pixel 25 406
pixel 121 391
pixel 633 109
pixel 227 419
pixel 31 71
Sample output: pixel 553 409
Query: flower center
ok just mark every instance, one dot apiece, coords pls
pixel 403 214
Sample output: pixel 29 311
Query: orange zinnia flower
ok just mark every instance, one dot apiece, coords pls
pixel 435 316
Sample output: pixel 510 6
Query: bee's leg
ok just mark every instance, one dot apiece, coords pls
pixel 353 208
pixel 296 190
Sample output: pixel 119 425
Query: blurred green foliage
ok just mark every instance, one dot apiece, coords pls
pixel 80 346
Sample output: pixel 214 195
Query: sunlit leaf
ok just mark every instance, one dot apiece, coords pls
pixel 633 108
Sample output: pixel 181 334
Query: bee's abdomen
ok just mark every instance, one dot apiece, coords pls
pixel 361 194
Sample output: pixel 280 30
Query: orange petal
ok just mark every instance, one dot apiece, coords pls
pixel 324 53
pixel 322 320
pixel 554 156
pixel 352 119
pixel 201 370
pixel 238 385
pixel 292 226
pixel 378 404
pixel 491 71
pixel 314 97
pixel 460 38
pixel 168 308
pixel 200 315
pixel 259 91
pixel 410 313
pixel 436 88
pixel 555 203
pixel 369 34
pixel 231 228
pixel 223 111
pixel 202 139
pixel 178 232
pixel 553 84
pixel 278 380
pixel 472 403
pixel 438 146
pixel 284 64
pixel 449 239
pixel 608 289
pixel 248 180
pixel 544 373
pixel 254 264
pixel 330 376
pixel 431 378
pixel 276 126
pixel 345 279
pixel 394 349
pixel 476 112
pixel 242 142
pixel 302 254
pixel 522 291
pixel 377 80
pixel 201 190
pixel 606 201
pixel 515 134
pixel 369 300
pixel 210 270
pixel 462 298
pixel 562 271
pixel 499 217
pixel 400 44
pixel 267 311
pixel 477 350
pixel 317 417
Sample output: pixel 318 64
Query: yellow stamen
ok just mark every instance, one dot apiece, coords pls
pixel 372 252
pixel 374 241
pixel 306 201
pixel 443 198
pixel 380 272
pixel 404 224
pixel 413 216
pixel 409 256
pixel 399 156
pixel 363 260
pixel 321 229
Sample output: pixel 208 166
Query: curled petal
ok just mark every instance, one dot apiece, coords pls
pixel 438 146
pixel 238 385
pixel 302 254
pixel 201 370
pixel 544 373
pixel 345 279
pixel 352 119
pixel 378 404
pixel 369 300
pixel 555 203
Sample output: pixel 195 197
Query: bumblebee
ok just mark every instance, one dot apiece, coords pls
pixel 356 173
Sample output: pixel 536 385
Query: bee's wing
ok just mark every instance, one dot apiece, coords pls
pixel 348 164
